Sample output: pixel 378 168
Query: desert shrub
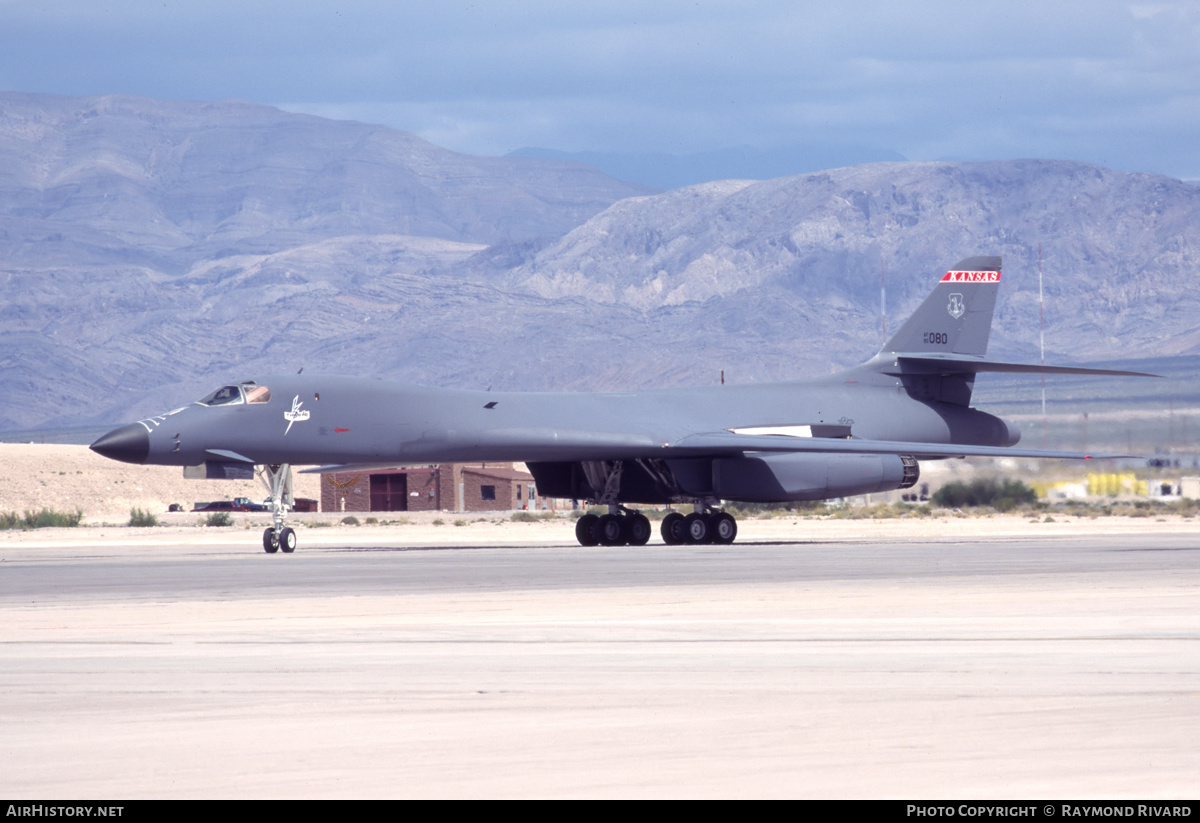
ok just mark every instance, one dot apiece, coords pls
pixel 1003 496
pixel 877 511
pixel 524 517
pixel 350 520
pixel 219 519
pixel 532 517
pixel 46 518
pixel 765 511
pixel 137 517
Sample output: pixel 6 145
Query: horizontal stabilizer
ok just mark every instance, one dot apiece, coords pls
pixel 909 364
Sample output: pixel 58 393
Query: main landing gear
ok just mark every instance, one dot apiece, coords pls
pixel 626 527
pixel 622 526
pixel 619 527
pixel 702 526
pixel 278 480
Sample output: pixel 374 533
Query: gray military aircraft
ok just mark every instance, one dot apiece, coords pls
pixel 856 432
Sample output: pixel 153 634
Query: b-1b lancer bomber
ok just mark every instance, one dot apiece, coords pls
pixel 861 431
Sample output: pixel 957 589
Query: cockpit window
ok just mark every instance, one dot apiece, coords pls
pixel 224 396
pixel 257 394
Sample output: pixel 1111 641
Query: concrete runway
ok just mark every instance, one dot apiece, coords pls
pixel 897 666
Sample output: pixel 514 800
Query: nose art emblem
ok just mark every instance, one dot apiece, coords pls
pixel 296 414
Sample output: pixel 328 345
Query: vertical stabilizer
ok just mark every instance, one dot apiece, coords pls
pixel 956 318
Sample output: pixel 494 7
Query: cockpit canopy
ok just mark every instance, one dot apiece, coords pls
pixel 245 392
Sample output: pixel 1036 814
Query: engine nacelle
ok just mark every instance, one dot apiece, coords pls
pixel 782 478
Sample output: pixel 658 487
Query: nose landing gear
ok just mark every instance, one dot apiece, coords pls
pixel 284 539
pixel 278 480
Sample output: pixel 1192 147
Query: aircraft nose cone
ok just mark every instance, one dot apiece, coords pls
pixel 129 444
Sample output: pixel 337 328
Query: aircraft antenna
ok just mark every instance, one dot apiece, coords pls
pixel 1042 341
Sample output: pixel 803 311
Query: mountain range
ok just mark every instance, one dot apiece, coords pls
pixel 151 250
pixel 672 171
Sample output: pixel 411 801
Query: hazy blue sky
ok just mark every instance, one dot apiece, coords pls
pixel 1115 83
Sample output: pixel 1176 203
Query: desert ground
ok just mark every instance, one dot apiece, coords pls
pixel 935 657
pixel 69 478
pixel 74 478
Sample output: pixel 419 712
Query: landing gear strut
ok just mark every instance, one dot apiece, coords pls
pixel 620 526
pixel 278 480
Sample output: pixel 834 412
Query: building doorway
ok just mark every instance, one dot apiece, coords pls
pixel 389 492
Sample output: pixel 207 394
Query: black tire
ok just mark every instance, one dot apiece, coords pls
pixel 270 545
pixel 610 531
pixel 672 529
pixel 585 529
pixel 695 528
pixel 287 541
pixel 637 529
pixel 723 527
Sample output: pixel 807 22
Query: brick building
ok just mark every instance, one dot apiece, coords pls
pixel 448 487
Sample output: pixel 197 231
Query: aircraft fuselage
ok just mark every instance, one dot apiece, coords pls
pixel 319 420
